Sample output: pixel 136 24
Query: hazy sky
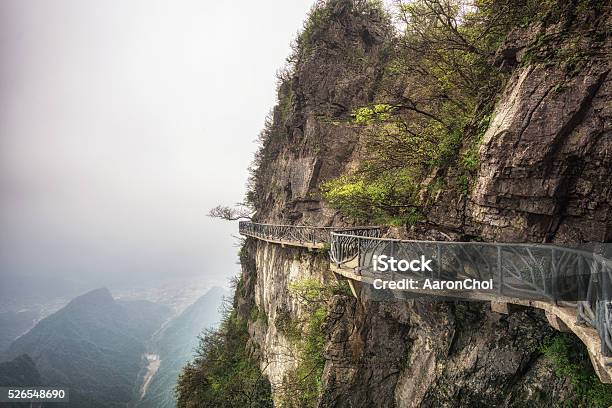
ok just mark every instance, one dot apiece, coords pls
pixel 122 122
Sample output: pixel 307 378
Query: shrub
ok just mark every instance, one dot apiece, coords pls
pixel 302 386
pixel 389 197
pixel 224 373
pixel 570 360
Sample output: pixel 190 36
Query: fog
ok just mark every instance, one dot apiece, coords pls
pixel 121 124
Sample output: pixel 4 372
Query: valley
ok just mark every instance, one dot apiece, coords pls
pixel 110 350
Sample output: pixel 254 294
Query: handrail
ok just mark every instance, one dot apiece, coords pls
pixel 296 234
pixel 582 252
pixel 527 271
pixel 577 278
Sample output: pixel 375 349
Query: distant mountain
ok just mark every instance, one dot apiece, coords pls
pixel 175 344
pixel 93 346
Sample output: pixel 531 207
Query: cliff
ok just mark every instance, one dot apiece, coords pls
pixel 519 150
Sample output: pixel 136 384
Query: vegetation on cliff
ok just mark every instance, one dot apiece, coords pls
pixel 310 47
pixel 225 371
pixel 424 126
pixel 303 385
pixel 432 103
pixel 571 361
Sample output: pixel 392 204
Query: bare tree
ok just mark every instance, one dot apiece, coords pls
pixel 225 212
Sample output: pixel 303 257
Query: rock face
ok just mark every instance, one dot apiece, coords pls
pixel 555 184
pixel 310 140
pixel 439 354
pixel 277 268
pixel 544 176
pixel 547 154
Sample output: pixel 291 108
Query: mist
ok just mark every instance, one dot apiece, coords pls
pixel 121 124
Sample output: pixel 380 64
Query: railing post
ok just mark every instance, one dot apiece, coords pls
pixel 358 255
pixel 594 304
pixel 554 277
pixel 338 250
pixel 582 292
pixel 604 303
pixel 500 270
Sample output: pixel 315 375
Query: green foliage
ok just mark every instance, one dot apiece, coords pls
pixel 325 250
pixel 557 46
pixel 318 16
pixel 312 292
pixel 571 361
pixel 376 113
pixel 302 386
pixel 448 147
pixel 431 128
pixel 257 314
pixel 469 158
pixel 224 373
pixel 449 46
pixel 286 99
pixel 554 49
pixel 469 163
pixel 388 197
pixel 287 326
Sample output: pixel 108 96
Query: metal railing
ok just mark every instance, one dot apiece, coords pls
pixel 297 234
pixel 560 275
pixel 300 234
pixel 572 277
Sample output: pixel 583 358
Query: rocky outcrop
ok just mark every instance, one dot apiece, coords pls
pixel 337 71
pixel 438 354
pixel 545 159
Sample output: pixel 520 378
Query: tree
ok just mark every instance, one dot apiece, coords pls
pixel 239 212
pixel 224 373
pixel 423 129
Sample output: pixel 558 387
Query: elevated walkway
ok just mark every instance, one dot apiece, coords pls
pixel 571 286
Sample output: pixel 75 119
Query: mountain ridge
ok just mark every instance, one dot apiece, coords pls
pixel 94 346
